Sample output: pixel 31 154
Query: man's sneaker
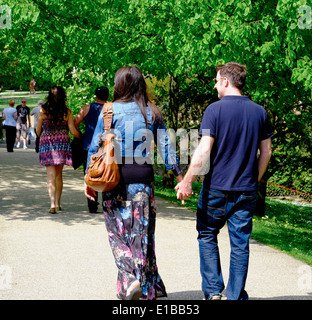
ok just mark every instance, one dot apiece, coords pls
pixel 217 296
pixel 17 145
pixel 25 147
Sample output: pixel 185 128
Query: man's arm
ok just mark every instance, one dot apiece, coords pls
pixel 39 123
pixel 265 148
pixel 200 159
pixel 29 122
pixel 28 115
pixel 71 125
pixel 80 116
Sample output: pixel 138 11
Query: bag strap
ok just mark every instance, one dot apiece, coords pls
pixel 108 115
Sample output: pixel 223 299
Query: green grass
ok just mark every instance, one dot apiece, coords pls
pixel 286 226
pixel 171 196
pixel 17 96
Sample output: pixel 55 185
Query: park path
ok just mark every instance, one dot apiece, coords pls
pixel 67 256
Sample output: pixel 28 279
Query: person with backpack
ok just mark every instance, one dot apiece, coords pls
pixel 130 208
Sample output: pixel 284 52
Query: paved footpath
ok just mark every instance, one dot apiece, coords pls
pixel 67 256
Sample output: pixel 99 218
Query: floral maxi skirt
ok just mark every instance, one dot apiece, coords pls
pixel 130 213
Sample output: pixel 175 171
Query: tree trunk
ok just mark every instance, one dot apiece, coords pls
pixel 174 104
pixel 168 179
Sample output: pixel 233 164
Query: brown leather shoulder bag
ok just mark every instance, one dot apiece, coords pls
pixel 103 172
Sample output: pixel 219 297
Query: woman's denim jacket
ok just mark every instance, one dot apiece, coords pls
pixel 133 141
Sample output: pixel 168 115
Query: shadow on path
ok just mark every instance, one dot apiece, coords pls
pixel 24 195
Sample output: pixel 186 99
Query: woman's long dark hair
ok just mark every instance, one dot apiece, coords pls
pixel 130 86
pixel 55 108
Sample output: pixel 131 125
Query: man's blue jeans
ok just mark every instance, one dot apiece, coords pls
pixel 216 207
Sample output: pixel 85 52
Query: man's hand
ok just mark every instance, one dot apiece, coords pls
pixel 184 190
pixel 199 160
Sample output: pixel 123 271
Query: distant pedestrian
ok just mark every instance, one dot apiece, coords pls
pixel 233 131
pixel 22 115
pixel 90 114
pixel 10 125
pixel 54 121
pixel 35 112
pixel 32 86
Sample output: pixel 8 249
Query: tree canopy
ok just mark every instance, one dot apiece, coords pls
pixel 81 44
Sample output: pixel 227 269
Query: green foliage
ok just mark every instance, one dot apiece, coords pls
pixel 297 180
pixel 84 83
pixel 81 44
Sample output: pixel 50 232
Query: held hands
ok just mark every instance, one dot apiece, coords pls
pixel 184 190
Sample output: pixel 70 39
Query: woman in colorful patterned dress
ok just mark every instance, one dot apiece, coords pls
pixel 130 208
pixel 54 120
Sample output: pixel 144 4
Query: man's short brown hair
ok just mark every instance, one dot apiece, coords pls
pixel 235 72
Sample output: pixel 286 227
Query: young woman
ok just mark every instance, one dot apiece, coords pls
pixel 54 121
pixel 130 209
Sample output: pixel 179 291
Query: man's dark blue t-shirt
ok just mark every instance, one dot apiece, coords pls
pixel 237 125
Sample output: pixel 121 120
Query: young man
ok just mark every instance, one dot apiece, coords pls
pixel 233 130
pixel 22 113
pixel 89 114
